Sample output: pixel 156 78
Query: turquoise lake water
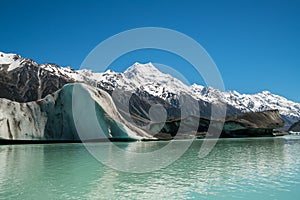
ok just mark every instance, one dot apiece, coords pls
pixel 256 168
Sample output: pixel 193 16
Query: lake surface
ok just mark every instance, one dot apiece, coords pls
pixel 256 168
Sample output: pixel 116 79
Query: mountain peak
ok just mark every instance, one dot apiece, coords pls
pixel 265 92
pixel 7 58
pixel 147 68
pixel 10 60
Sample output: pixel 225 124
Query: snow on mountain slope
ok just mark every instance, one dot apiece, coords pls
pixel 8 58
pixel 141 77
pixel 66 72
pixel 12 61
pixel 250 103
pixel 146 77
pixel 263 101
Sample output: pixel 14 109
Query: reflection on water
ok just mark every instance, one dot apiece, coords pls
pixel 267 168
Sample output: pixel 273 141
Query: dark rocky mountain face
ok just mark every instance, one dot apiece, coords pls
pixel 295 127
pixel 260 124
pixel 135 107
pixel 29 82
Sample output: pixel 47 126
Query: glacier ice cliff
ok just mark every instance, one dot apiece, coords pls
pixel 51 118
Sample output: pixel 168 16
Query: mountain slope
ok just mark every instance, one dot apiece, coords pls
pixel 289 110
pixel 295 127
pixel 23 80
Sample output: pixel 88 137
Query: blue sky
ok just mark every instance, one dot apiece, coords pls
pixel 255 44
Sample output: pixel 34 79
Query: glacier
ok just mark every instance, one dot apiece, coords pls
pixel 52 118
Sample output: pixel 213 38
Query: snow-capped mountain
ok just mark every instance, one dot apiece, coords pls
pixel 23 80
pixel 147 78
pixel 262 101
pixel 138 79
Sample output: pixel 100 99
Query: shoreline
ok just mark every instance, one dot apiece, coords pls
pixel 22 142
